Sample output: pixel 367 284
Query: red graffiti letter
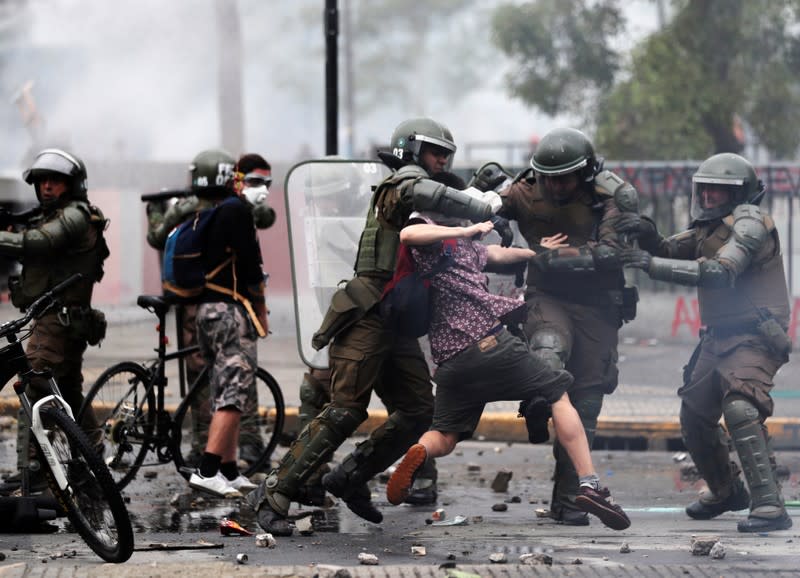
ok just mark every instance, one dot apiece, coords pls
pixel 683 314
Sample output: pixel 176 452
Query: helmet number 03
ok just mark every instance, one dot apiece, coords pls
pixel 398 152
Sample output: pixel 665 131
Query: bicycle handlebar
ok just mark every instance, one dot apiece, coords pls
pixel 39 307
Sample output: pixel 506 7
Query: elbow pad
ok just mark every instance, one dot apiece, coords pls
pixel 711 274
pixel 557 260
pixel 429 195
pixel 675 271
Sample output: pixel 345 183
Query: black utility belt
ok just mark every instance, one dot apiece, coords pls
pixel 596 298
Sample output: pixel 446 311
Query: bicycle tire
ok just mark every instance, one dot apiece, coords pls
pixel 91 499
pixel 265 429
pixel 125 408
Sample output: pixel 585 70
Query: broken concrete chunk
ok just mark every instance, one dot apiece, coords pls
pixel 538 559
pixel 701 545
pixel 498 558
pixel 717 551
pixel 367 559
pixel 500 483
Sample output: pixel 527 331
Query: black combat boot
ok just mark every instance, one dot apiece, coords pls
pixel 710 506
pixel 356 495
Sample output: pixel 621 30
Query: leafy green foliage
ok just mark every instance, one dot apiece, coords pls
pixel 719 70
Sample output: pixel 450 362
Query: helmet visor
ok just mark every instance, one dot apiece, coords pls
pixel 715 197
pixel 560 189
pixel 51 162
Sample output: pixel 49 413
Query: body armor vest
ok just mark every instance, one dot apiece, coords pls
pixel 388 212
pixel 761 286
pixel 580 220
pixel 41 272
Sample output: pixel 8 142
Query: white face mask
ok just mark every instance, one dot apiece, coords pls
pixel 255 195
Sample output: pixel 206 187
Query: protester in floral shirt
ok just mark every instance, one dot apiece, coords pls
pixel 480 361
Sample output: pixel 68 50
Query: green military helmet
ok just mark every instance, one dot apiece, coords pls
pixel 722 182
pixel 565 150
pixel 211 172
pixel 561 153
pixel 410 136
pixel 59 162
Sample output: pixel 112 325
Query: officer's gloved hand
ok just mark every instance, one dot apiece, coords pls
pixel 488 177
pixel 628 224
pixel 503 228
pixel 635 258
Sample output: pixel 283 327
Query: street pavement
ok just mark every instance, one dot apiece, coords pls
pixel 177 529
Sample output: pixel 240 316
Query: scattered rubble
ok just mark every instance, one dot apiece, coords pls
pixel 702 545
pixel 265 541
pixel 717 551
pixel 537 559
pixel 498 558
pixel 368 559
pixel 625 548
pixel 500 483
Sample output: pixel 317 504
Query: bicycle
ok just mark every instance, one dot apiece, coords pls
pixel 128 400
pixel 75 472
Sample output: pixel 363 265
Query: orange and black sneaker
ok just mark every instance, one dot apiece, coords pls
pixel 399 485
pixel 599 503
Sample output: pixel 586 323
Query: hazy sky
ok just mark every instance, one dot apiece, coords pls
pixel 138 78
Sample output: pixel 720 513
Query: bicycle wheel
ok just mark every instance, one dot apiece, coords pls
pixel 124 407
pixel 91 499
pixel 259 433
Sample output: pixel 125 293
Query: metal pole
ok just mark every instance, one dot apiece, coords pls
pixel 348 78
pixel 331 78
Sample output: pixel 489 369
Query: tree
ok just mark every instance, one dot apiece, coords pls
pixel 687 89
pixel 560 50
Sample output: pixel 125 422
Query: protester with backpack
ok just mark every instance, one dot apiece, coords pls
pixel 64 237
pixel 231 314
pixel 365 355
pixel 252 179
pixel 479 361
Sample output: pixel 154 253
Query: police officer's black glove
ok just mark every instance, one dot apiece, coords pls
pixel 636 258
pixel 503 228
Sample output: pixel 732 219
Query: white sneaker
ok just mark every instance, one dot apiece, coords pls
pixel 242 484
pixel 217 485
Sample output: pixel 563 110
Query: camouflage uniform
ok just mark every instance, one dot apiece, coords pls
pixel 228 344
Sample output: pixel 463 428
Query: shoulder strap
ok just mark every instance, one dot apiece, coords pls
pixel 445 260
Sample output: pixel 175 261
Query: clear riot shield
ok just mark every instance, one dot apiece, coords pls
pixel 326 203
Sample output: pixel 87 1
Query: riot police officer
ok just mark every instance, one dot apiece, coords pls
pixel 365 355
pixel 732 255
pixel 576 296
pixel 65 237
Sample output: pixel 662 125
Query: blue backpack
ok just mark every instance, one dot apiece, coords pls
pixel 184 273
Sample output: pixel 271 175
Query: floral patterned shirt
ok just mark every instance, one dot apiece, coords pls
pixel 463 310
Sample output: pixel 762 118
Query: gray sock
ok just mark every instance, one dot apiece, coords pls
pixel 591 481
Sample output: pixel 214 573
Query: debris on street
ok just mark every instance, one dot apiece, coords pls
pixel 368 559
pixel 500 483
